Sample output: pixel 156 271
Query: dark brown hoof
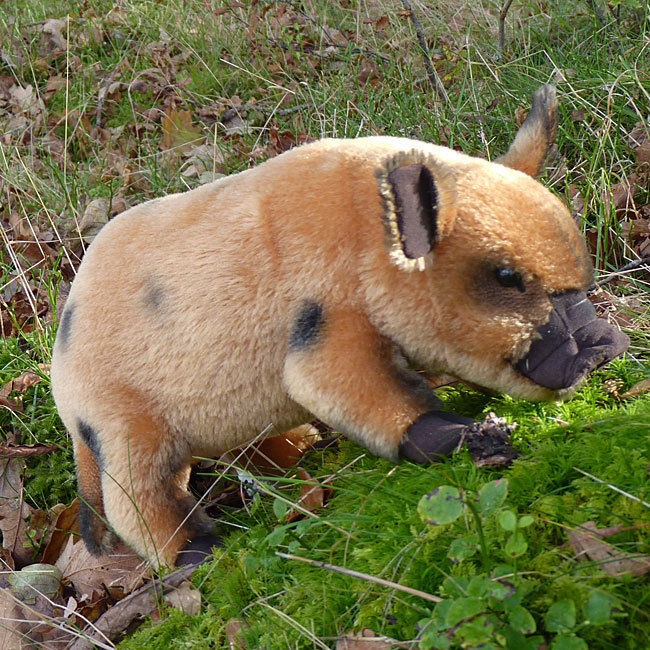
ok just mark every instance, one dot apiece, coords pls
pixel 197 550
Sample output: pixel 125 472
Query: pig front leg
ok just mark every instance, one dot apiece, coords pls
pixel 345 373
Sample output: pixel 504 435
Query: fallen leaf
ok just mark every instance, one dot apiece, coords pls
pixel 54 84
pixel 95 217
pixel 233 123
pixel 65 526
pixel 382 23
pixel 35 579
pixel 14 512
pixel 16 622
pixel 24 381
pixel 24 627
pixel 134 607
pixel 185 597
pixel 312 497
pixel 24 101
pixel 640 388
pixel 235 628
pixel 204 161
pixel 54 40
pixel 643 154
pixel 179 134
pixel 120 570
pixel 622 195
pixel 586 541
pixel 284 450
pixel 282 141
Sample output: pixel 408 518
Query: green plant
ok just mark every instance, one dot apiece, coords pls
pixel 489 608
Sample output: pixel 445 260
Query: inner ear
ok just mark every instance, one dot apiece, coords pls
pixel 416 203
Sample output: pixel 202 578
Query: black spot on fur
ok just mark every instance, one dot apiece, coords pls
pixel 154 295
pixel 91 440
pixel 307 327
pixel 65 327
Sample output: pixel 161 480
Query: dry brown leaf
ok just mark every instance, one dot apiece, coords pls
pixel 382 23
pixel 90 575
pixel 185 597
pixel 640 388
pixel 24 381
pixel 179 134
pixel 14 405
pixel 15 623
pixel 586 541
pixel 622 195
pixel 25 102
pixel 235 628
pixel 26 627
pixel 14 512
pixel 204 161
pixel 578 115
pixel 312 497
pixel 233 123
pixel 364 640
pixel 134 607
pixel 281 141
pixel 54 41
pixel 643 154
pixel 94 218
pixel 54 83
pixel 284 450
pixel 65 526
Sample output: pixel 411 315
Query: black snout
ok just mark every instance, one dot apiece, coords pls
pixel 573 342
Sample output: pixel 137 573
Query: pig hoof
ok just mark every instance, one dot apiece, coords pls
pixel 198 550
pixel 489 442
pixel 433 435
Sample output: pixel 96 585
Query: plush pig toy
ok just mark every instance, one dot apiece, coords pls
pixel 309 286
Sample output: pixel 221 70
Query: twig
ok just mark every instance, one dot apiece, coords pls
pixel 361 576
pixel 613 487
pixel 502 26
pixel 643 263
pixel 297 107
pixel 431 72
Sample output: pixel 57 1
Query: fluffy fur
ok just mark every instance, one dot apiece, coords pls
pixel 284 292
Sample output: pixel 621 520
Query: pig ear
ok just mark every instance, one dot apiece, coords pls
pixel 531 145
pixel 419 207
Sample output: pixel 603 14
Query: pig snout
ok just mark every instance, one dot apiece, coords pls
pixel 572 343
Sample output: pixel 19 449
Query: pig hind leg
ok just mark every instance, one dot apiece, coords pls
pixel 145 469
pixel 92 519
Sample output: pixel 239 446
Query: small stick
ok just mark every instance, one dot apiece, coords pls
pixel 362 576
pixel 612 487
pixel 431 73
pixel 502 26
pixel 643 263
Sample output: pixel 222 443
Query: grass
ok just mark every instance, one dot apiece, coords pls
pixel 90 127
pixel 371 525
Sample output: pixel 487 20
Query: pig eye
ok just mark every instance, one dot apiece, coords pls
pixel 508 277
